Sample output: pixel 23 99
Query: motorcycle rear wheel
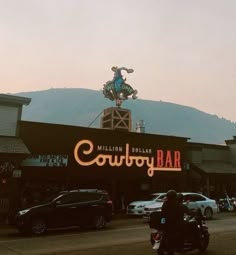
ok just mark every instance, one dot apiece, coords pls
pixel 204 242
pixel 160 252
pixel 163 253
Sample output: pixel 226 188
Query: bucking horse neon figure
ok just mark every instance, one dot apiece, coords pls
pixel 117 89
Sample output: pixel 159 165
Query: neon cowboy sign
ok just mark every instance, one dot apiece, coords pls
pixel 163 161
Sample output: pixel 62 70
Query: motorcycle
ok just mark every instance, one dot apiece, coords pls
pixel 196 236
pixel 227 204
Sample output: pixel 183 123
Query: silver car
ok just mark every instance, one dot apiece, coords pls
pixel 136 208
pixel 193 201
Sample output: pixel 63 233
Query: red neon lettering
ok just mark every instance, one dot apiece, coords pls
pixel 160 158
pixel 177 159
pixel 168 162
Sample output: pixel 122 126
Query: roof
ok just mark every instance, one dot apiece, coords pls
pixel 192 193
pixel 13 145
pixel 14 99
pixel 216 167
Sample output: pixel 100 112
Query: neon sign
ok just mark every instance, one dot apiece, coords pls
pixel 164 161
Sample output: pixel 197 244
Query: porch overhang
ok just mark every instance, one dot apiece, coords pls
pixel 13 145
pixel 214 167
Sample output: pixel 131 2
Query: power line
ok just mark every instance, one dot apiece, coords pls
pixel 95 119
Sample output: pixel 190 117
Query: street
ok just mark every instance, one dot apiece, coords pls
pixel 126 236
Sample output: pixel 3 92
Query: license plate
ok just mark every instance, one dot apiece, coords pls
pixel 156 245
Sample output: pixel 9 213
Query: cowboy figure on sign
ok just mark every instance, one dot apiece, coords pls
pixel 117 89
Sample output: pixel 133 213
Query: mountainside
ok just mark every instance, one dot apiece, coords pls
pixel 84 107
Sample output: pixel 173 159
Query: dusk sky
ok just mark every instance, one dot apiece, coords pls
pixel 182 51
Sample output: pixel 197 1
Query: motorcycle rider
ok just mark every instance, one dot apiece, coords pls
pixel 173 213
pixel 118 79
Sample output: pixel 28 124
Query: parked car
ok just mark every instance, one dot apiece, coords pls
pixel 136 208
pixel 193 201
pixel 68 208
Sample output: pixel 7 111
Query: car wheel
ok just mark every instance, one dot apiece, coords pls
pixel 208 213
pixel 38 226
pixel 99 222
pixel 230 208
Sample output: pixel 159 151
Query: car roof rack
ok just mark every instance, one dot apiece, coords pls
pixel 87 190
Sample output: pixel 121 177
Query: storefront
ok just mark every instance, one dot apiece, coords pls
pixel 128 165
pixel 12 152
pixel 212 168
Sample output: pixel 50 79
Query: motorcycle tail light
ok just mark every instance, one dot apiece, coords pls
pixel 156 236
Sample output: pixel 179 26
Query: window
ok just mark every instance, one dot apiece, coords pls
pixel 193 198
pixel 69 198
pixel 87 196
pixel 197 197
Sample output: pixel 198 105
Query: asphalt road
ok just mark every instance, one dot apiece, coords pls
pixel 129 236
pixel 221 244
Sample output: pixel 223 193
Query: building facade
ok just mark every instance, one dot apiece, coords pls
pixel 38 159
pixel 12 150
pixel 212 168
pixel 128 165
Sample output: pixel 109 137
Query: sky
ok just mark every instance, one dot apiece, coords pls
pixel 182 51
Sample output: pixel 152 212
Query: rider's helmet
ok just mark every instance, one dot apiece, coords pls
pixel 171 195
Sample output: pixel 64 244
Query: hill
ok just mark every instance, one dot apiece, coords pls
pixel 84 107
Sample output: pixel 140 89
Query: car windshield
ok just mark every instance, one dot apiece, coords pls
pixel 51 198
pixel 152 197
pixel 161 198
pixel 158 197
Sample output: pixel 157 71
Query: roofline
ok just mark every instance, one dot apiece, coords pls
pixel 231 141
pixel 206 145
pixel 14 99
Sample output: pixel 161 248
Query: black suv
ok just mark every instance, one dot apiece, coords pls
pixel 67 208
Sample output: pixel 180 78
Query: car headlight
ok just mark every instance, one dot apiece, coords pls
pixel 23 212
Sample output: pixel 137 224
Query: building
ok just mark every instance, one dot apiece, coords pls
pixel 69 157
pixel 44 158
pixel 12 150
pixel 212 168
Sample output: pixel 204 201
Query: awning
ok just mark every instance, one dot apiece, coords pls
pixel 13 145
pixel 216 167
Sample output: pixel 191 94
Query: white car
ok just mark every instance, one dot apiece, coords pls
pixel 192 200
pixel 136 208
